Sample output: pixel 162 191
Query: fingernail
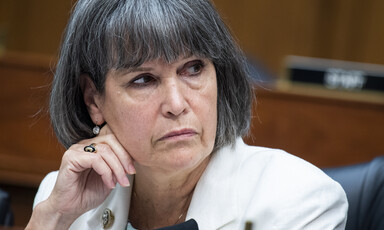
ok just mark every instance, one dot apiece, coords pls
pixel 131 169
pixel 125 182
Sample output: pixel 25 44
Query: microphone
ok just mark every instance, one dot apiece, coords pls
pixel 190 224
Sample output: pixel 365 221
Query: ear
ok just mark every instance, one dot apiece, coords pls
pixel 92 100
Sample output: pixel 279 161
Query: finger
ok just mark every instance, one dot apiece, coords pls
pixel 114 163
pixel 102 168
pixel 124 157
pixel 77 161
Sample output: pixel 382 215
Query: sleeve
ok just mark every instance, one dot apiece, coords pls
pixel 45 188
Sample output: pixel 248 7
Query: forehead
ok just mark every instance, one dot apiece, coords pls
pixel 160 62
pixel 160 65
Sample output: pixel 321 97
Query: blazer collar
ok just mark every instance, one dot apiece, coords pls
pixel 214 201
pixel 213 204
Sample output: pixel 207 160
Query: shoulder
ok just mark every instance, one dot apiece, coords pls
pixel 285 190
pixel 45 188
pixel 284 168
pixel 261 163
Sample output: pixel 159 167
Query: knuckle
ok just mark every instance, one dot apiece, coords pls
pixel 69 154
pixel 104 148
pixel 107 173
pixel 110 137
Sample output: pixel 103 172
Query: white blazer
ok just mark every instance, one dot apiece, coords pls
pixel 271 188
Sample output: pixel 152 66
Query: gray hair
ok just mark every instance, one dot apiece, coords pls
pixel 106 34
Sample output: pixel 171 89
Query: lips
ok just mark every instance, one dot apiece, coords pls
pixel 178 134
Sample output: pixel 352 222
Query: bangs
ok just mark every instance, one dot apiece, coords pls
pixel 149 30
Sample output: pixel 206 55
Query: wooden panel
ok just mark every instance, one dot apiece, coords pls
pixel 323 130
pixel 29 148
pixel 267 30
pixel 34 25
pixel 344 29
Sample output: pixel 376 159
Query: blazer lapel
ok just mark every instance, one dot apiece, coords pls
pixel 214 201
pixel 213 204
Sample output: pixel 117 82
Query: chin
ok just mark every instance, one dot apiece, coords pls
pixel 188 158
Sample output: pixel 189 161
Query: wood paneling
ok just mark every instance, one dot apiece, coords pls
pixel 34 26
pixel 325 131
pixel 29 149
pixel 271 30
pixel 267 30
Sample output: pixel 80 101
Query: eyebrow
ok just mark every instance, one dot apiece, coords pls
pixel 124 71
pixel 129 70
pixel 138 69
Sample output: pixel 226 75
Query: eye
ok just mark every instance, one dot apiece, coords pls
pixel 193 68
pixel 142 80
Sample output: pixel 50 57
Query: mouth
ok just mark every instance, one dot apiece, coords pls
pixel 178 134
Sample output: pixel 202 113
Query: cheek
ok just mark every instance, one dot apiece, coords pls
pixel 212 114
pixel 209 111
pixel 134 128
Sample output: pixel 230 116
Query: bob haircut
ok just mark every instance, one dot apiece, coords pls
pixel 111 34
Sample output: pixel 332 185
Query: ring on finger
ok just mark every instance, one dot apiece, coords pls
pixel 90 148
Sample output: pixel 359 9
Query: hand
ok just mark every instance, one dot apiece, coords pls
pixel 85 179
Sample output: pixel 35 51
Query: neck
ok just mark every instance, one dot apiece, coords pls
pixel 161 200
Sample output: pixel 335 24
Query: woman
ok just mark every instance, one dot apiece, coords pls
pixel 169 87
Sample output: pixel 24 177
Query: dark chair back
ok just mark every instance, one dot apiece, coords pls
pixel 6 215
pixel 364 186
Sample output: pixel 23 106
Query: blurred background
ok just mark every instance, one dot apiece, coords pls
pixel 266 30
pixel 326 127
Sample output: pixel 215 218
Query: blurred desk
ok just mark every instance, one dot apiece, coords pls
pixel 326 131
pixel 11 228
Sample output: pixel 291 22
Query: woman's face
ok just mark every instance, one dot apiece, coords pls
pixel 165 115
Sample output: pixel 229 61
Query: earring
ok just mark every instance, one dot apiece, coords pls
pixel 96 130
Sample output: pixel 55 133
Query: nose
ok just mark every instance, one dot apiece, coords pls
pixel 174 102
